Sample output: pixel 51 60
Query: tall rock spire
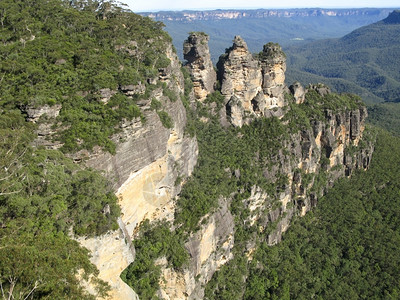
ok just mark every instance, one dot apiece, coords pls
pixel 273 68
pixel 197 54
pixel 252 84
pixel 239 73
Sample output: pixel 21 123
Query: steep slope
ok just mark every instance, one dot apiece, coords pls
pixel 344 249
pixel 368 58
pixel 90 83
pixel 147 163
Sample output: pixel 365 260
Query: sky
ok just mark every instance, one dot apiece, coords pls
pixel 158 5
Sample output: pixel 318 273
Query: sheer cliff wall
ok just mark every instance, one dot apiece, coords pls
pixel 148 160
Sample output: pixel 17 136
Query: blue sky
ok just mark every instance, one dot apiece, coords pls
pixel 157 5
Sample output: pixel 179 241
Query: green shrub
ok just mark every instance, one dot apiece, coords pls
pixel 155 104
pixel 155 241
pixel 165 119
pixel 75 51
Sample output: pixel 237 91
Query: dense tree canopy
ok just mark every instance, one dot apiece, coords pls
pixel 346 248
pixel 62 52
pixel 44 197
pixel 363 62
pixel 67 52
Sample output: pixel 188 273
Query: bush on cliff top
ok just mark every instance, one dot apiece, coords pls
pixel 53 51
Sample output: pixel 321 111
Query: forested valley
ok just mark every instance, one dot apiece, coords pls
pixel 346 248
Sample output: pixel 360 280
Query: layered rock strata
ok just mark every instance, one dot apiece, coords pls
pixel 209 249
pixel 255 87
pixel 311 160
pixel 201 69
pixel 252 85
pixel 319 152
pixel 148 160
pixel 241 81
pixel 273 68
pixel 298 92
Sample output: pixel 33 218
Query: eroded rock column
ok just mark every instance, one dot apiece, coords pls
pixel 240 77
pixel 201 69
pixel 273 66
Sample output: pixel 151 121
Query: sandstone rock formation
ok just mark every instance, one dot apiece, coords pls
pixel 320 88
pixel 201 69
pixel 252 86
pixel 323 148
pixel 44 116
pixel 298 92
pixel 273 68
pixel 148 160
pixel 33 113
pixel 209 249
pixel 240 77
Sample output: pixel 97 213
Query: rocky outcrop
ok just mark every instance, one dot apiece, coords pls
pixel 310 161
pixel 239 73
pixel 141 144
pixel 252 86
pixel 320 154
pixel 44 116
pixel 150 158
pixel 320 88
pixel 48 111
pixel 273 68
pixel 201 69
pixel 111 254
pixel 240 77
pixel 298 92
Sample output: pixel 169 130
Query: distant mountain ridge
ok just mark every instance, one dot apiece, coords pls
pixel 220 14
pixel 365 61
pixel 284 26
pixel 393 18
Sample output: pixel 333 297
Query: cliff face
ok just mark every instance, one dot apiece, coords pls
pixel 281 151
pixel 273 68
pixel 240 77
pixel 309 162
pixel 322 151
pixel 324 148
pixel 261 13
pixel 209 249
pixel 148 160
